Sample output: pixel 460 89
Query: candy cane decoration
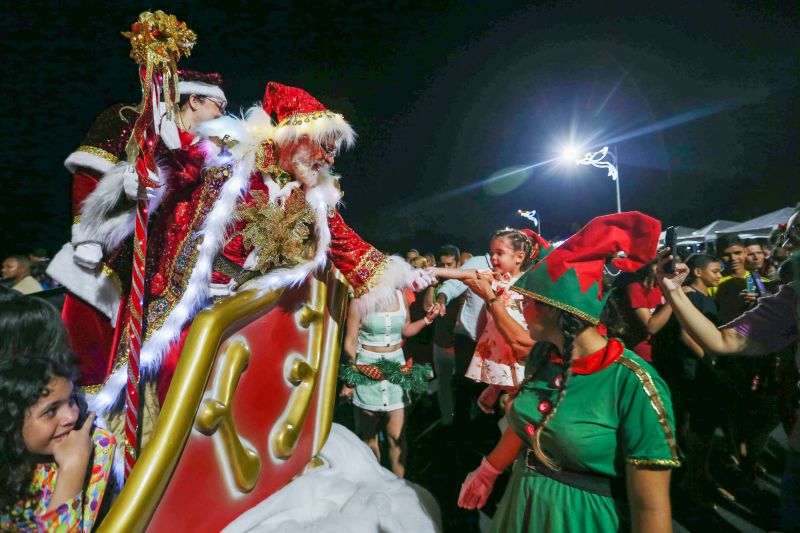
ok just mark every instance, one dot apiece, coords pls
pixel 157 40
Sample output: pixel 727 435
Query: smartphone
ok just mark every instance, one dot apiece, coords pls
pixel 671 241
pixel 83 411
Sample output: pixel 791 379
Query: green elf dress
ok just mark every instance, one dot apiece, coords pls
pixel 615 410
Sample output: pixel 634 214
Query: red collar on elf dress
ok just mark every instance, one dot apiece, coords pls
pixel 596 361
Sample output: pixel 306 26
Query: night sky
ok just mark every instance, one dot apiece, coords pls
pixel 443 96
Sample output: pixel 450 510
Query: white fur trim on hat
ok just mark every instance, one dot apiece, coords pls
pixel 325 126
pixel 201 89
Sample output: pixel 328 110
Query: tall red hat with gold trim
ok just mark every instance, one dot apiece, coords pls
pixel 299 114
pixel 570 277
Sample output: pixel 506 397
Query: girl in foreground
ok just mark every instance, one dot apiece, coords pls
pixel 53 474
pixel 591 433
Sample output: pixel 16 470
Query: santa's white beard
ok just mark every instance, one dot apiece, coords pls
pixel 308 174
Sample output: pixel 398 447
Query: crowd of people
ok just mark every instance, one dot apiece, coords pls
pixel 600 366
pixel 484 353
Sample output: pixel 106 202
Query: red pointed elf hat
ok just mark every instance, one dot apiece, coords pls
pixel 571 276
pixel 298 114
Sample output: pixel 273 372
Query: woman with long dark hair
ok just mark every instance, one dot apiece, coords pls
pixel 591 433
pixel 55 463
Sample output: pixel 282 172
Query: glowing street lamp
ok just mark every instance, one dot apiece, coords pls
pixel 597 160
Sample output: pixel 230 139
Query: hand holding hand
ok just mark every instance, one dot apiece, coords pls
pixel 481 287
pixel 88 255
pixel 435 310
pixel 478 486
pixel 420 279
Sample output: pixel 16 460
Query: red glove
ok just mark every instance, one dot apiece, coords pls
pixel 478 486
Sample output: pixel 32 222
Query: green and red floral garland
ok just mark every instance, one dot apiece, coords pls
pixel 409 376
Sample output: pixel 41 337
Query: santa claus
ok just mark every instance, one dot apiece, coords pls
pixel 252 207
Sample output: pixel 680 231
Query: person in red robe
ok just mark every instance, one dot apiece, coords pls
pixel 95 266
pixel 253 206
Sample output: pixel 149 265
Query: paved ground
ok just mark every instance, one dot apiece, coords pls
pixel 440 458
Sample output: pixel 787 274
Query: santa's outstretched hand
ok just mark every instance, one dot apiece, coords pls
pixel 419 279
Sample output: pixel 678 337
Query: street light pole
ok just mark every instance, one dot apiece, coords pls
pixel 596 159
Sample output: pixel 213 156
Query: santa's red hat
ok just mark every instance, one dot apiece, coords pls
pixel 298 113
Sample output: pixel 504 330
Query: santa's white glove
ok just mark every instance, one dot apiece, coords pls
pixel 130 183
pixel 420 279
pixel 478 486
pixel 88 255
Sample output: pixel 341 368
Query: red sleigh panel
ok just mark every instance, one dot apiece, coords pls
pixel 250 406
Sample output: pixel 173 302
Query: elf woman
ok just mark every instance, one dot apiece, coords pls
pixel 591 434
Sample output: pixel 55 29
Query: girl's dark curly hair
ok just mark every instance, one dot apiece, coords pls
pixel 30 326
pixel 22 382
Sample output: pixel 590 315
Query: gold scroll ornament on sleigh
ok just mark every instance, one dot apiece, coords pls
pixel 249 408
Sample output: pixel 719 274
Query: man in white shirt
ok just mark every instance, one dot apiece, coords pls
pixel 464 390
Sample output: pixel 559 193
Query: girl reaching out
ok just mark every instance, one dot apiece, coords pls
pixel 504 342
pixel 54 472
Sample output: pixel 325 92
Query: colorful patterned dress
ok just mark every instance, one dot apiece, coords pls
pixel 616 410
pixel 494 362
pixel 73 516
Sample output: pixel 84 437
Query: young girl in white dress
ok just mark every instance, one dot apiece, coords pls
pixel 496 362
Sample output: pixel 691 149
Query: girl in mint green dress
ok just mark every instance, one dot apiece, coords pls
pixel 591 436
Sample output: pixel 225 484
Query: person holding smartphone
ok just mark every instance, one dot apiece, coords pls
pixel 56 463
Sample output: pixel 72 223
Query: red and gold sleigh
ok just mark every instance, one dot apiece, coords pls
pixel 249 408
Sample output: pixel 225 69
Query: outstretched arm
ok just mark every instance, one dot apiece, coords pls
pixel 454 273
pixel 694 323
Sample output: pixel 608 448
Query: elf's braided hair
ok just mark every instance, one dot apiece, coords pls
pixel 570 326
pixel 519 243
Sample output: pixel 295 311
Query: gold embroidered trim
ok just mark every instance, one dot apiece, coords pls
pixel 156 318
pixel 76 219
pixel 555 303
pixel 110 274
pixel 639 461
pixel 99 152
pixel 298 119
pixel 91 389
pixel 655 400
pixel 376 271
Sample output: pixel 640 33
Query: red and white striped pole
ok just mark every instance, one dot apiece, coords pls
pixel 158 40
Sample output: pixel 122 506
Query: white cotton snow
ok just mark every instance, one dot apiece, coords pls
pixel 351 494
